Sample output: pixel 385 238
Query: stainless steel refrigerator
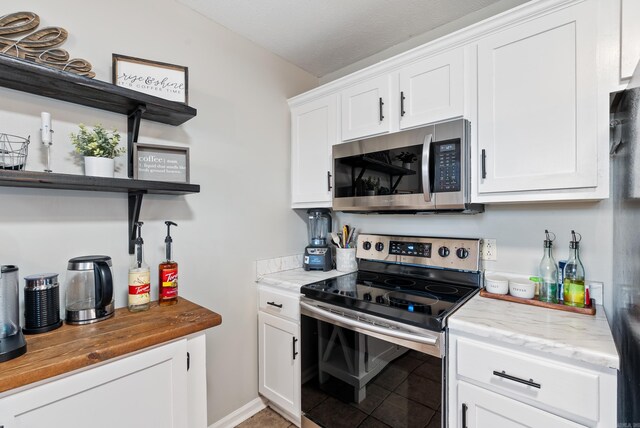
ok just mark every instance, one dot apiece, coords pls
pixel 625 193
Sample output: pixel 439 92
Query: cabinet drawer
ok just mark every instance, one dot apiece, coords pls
pixel 553 384
pixel 279 303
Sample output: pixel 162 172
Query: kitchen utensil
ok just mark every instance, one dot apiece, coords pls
pixel 496 284
pixel 524 289
pixel 335 239
pixel 89 296
pixel 41 303
pixel 318 255
pixel 12 343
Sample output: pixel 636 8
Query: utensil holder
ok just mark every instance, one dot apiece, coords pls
pixel 346 260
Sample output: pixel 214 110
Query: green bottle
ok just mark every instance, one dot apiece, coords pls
pixel 548 272
pixel 573 285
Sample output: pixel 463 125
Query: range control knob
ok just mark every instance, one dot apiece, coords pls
pixel 379 246
pixel 366 245
pixel 462 253
pixel 443 252
pixel 367 297
pixel 379 299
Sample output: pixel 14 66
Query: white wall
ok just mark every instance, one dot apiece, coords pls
pixel 239 145
pixel 519 230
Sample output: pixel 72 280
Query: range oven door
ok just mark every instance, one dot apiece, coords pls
pixel 420 170
pixel 356 371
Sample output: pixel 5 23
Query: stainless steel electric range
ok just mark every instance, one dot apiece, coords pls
pixel 373 341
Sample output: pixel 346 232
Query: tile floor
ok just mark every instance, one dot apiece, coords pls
pixel 266 418
pixel 405 394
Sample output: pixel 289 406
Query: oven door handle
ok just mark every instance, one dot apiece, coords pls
pixel 369 327
pixel 426 175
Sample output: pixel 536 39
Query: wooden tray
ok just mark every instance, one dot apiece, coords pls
pixel 587 310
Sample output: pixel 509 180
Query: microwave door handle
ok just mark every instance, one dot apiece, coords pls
pixel 426 181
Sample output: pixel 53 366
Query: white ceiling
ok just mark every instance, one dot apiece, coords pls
pixel 322 36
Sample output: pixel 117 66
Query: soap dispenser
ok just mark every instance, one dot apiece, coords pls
pixel 168 273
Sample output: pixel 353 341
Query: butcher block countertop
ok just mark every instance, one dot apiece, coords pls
pixel 73 347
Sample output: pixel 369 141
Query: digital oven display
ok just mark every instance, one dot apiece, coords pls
pixel 410 249
pixel 447 147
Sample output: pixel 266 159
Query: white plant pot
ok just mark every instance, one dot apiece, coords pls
pixel 99 167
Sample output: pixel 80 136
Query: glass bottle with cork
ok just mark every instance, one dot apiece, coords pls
pixel 573 286
pixel 548 272
pixel 139 276
pixel 168 273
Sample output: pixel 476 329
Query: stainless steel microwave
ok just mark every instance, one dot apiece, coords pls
pixel 422 170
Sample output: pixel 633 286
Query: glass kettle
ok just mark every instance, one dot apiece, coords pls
pixel 89 289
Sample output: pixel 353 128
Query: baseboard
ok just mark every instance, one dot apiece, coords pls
pixel 241 415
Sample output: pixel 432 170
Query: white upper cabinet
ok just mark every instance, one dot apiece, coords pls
pixel 365 108
pixel 314 130
pixel 629 37
pixel 537 125
pixel 432 89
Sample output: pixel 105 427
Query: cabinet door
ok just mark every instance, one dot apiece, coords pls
pixel 145 390
pixel 314 130
pixel 481 408
pixel 537 98
pixel 432 89
pixel 279 362
pixel 365 109
pixel 197 382
pixel 629 37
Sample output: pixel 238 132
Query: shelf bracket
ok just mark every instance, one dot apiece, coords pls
pixel 133 128
pixel 135 204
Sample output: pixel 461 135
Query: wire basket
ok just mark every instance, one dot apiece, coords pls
pixel 13 152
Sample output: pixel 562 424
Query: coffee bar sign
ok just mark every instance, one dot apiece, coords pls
pixel 167 81
pixel 161 163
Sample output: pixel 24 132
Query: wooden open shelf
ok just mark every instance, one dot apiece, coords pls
pixel 50 180
pixel 587 310
pixel 28 76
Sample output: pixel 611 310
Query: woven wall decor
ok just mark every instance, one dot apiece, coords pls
pixel 20 37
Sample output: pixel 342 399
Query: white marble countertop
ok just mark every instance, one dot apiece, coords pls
pixel 293 279
pixel 579 337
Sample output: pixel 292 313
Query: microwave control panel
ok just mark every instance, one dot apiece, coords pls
pixel 447 165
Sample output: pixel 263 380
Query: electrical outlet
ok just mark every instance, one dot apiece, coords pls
pixel 489 249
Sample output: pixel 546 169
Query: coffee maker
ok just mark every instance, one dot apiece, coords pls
pixel 318 254
pixel 12 343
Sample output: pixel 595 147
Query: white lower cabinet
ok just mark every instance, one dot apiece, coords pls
pixel 279 367
pixel 480 408
pixel 152 388
pixel 492 385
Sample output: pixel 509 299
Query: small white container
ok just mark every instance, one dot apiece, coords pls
pixel 496 284
pixel 346 260
pixel 522 288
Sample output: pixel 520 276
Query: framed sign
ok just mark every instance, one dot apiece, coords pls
pixel 160 163
pixel 160 79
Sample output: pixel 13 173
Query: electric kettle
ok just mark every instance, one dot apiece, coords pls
pixel 89 290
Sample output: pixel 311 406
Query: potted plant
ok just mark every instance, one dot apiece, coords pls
pixel 372 185
pixel 407 158
pixel 99 148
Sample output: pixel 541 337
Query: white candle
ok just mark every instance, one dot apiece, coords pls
pixel 46 127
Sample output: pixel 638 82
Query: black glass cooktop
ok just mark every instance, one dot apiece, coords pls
pixel 418 300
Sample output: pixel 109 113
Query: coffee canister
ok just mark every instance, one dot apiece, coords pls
pixel 41 303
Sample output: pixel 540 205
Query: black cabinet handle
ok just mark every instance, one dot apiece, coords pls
pixel 275 304
pixel 293 343
pixel 529 382
pixel 464 415
pixel 381 115
pixel 329 181
pixel 402 112
pixel 188 363
pixel 484 163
